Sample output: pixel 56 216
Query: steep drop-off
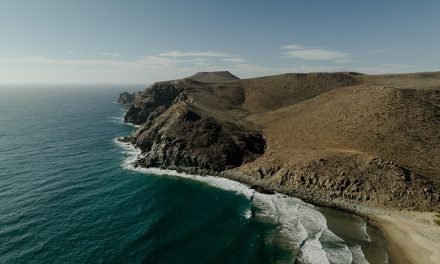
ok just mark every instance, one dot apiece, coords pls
pixel 181 127
pixel 325 137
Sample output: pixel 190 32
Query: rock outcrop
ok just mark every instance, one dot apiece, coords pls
pixel 329 138
pixel 178 133
pixel 353 178
pixel 126 98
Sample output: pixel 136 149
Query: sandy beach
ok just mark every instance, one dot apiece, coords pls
pixel 413 237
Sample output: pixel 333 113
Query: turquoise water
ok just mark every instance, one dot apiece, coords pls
pixel 66 196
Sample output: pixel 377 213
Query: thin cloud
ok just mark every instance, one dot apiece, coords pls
pixel 234 60
pixel 313 68
pixel 142 69
pixel 293 47
pixel 110 54
pixel 314 54
pixel 179 54
pixel 400 66
pixel 379 51
pixel 178 64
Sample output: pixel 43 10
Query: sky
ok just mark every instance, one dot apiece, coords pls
pixel 132 41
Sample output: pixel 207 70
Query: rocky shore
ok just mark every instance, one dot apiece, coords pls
pixel 214 123
pixel 365 144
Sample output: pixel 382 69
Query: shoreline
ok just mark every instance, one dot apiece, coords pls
pixel 290 212
pixel 405 232
pixel 412 237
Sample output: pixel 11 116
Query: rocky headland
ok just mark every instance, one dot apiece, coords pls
pixel 337 139
pixel 127 98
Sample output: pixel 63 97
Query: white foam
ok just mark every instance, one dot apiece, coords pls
pixel 365 232
pixel 117 119
pixel 358 255
pixel 300 226
pixel 219 182
pixel 247 214
pixel 340 252
pixel 120 119
pixel 315 223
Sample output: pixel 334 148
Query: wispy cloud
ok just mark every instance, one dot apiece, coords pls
pixel 406 66
pixel 234 60
pixel 112 67
pixel 314 54
pixel 57 61
pixel 110 54
pixel 163 66
pixel 179 54
pixel 292 47
pixel 379 51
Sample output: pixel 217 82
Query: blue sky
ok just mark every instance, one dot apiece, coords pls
pixel 145 41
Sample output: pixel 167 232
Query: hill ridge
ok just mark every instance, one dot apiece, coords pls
pixel 283 132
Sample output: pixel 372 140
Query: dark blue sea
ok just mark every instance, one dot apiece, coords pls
pixel 68 194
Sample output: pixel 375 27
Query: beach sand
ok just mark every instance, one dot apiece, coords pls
pixel 413 237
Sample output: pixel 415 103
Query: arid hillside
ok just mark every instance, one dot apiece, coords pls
pixel 325 137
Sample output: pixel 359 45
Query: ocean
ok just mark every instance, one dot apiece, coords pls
pixel 69 194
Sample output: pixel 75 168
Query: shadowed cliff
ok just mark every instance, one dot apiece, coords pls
pixel 324 137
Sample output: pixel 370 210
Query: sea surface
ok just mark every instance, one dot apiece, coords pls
pixel 68 194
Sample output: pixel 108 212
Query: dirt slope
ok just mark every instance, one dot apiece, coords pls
pixel 325 137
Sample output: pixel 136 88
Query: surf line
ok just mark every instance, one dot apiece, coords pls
pixel 300 225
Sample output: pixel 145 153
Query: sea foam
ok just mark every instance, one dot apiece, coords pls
pixel 120 119
pixel 301 227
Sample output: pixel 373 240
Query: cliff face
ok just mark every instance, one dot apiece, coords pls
pixel 355 178
pixel 325 137
pixel 126 98
pixel 185 140
pixel 152 102
pixel 179 132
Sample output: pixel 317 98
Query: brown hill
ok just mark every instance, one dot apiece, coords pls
pixel 214 77
pixel 341 137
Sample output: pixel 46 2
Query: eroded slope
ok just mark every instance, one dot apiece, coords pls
pixel 322 136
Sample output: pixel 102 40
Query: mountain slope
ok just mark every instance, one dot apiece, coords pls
pixel 341 137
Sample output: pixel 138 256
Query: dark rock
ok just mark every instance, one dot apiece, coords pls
pixel 261 189
pixel 126 98
pixel 177 133
pixel 152 102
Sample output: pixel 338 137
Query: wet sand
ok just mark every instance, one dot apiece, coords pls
pixel 413 237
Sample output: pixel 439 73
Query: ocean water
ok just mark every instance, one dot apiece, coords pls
pixel 68 194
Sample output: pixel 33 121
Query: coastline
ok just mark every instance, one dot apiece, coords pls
pixel 302 238
pixel 411 236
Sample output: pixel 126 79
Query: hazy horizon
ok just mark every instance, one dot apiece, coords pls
pixel 92 42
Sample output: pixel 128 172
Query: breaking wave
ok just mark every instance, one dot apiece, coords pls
pixel 301 228
pixel 120 119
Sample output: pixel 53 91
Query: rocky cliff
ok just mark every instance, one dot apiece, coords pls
pixel 178 131
pixel 126 98
pixel 330 138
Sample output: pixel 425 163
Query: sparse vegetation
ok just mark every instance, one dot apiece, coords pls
pixel 364 138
